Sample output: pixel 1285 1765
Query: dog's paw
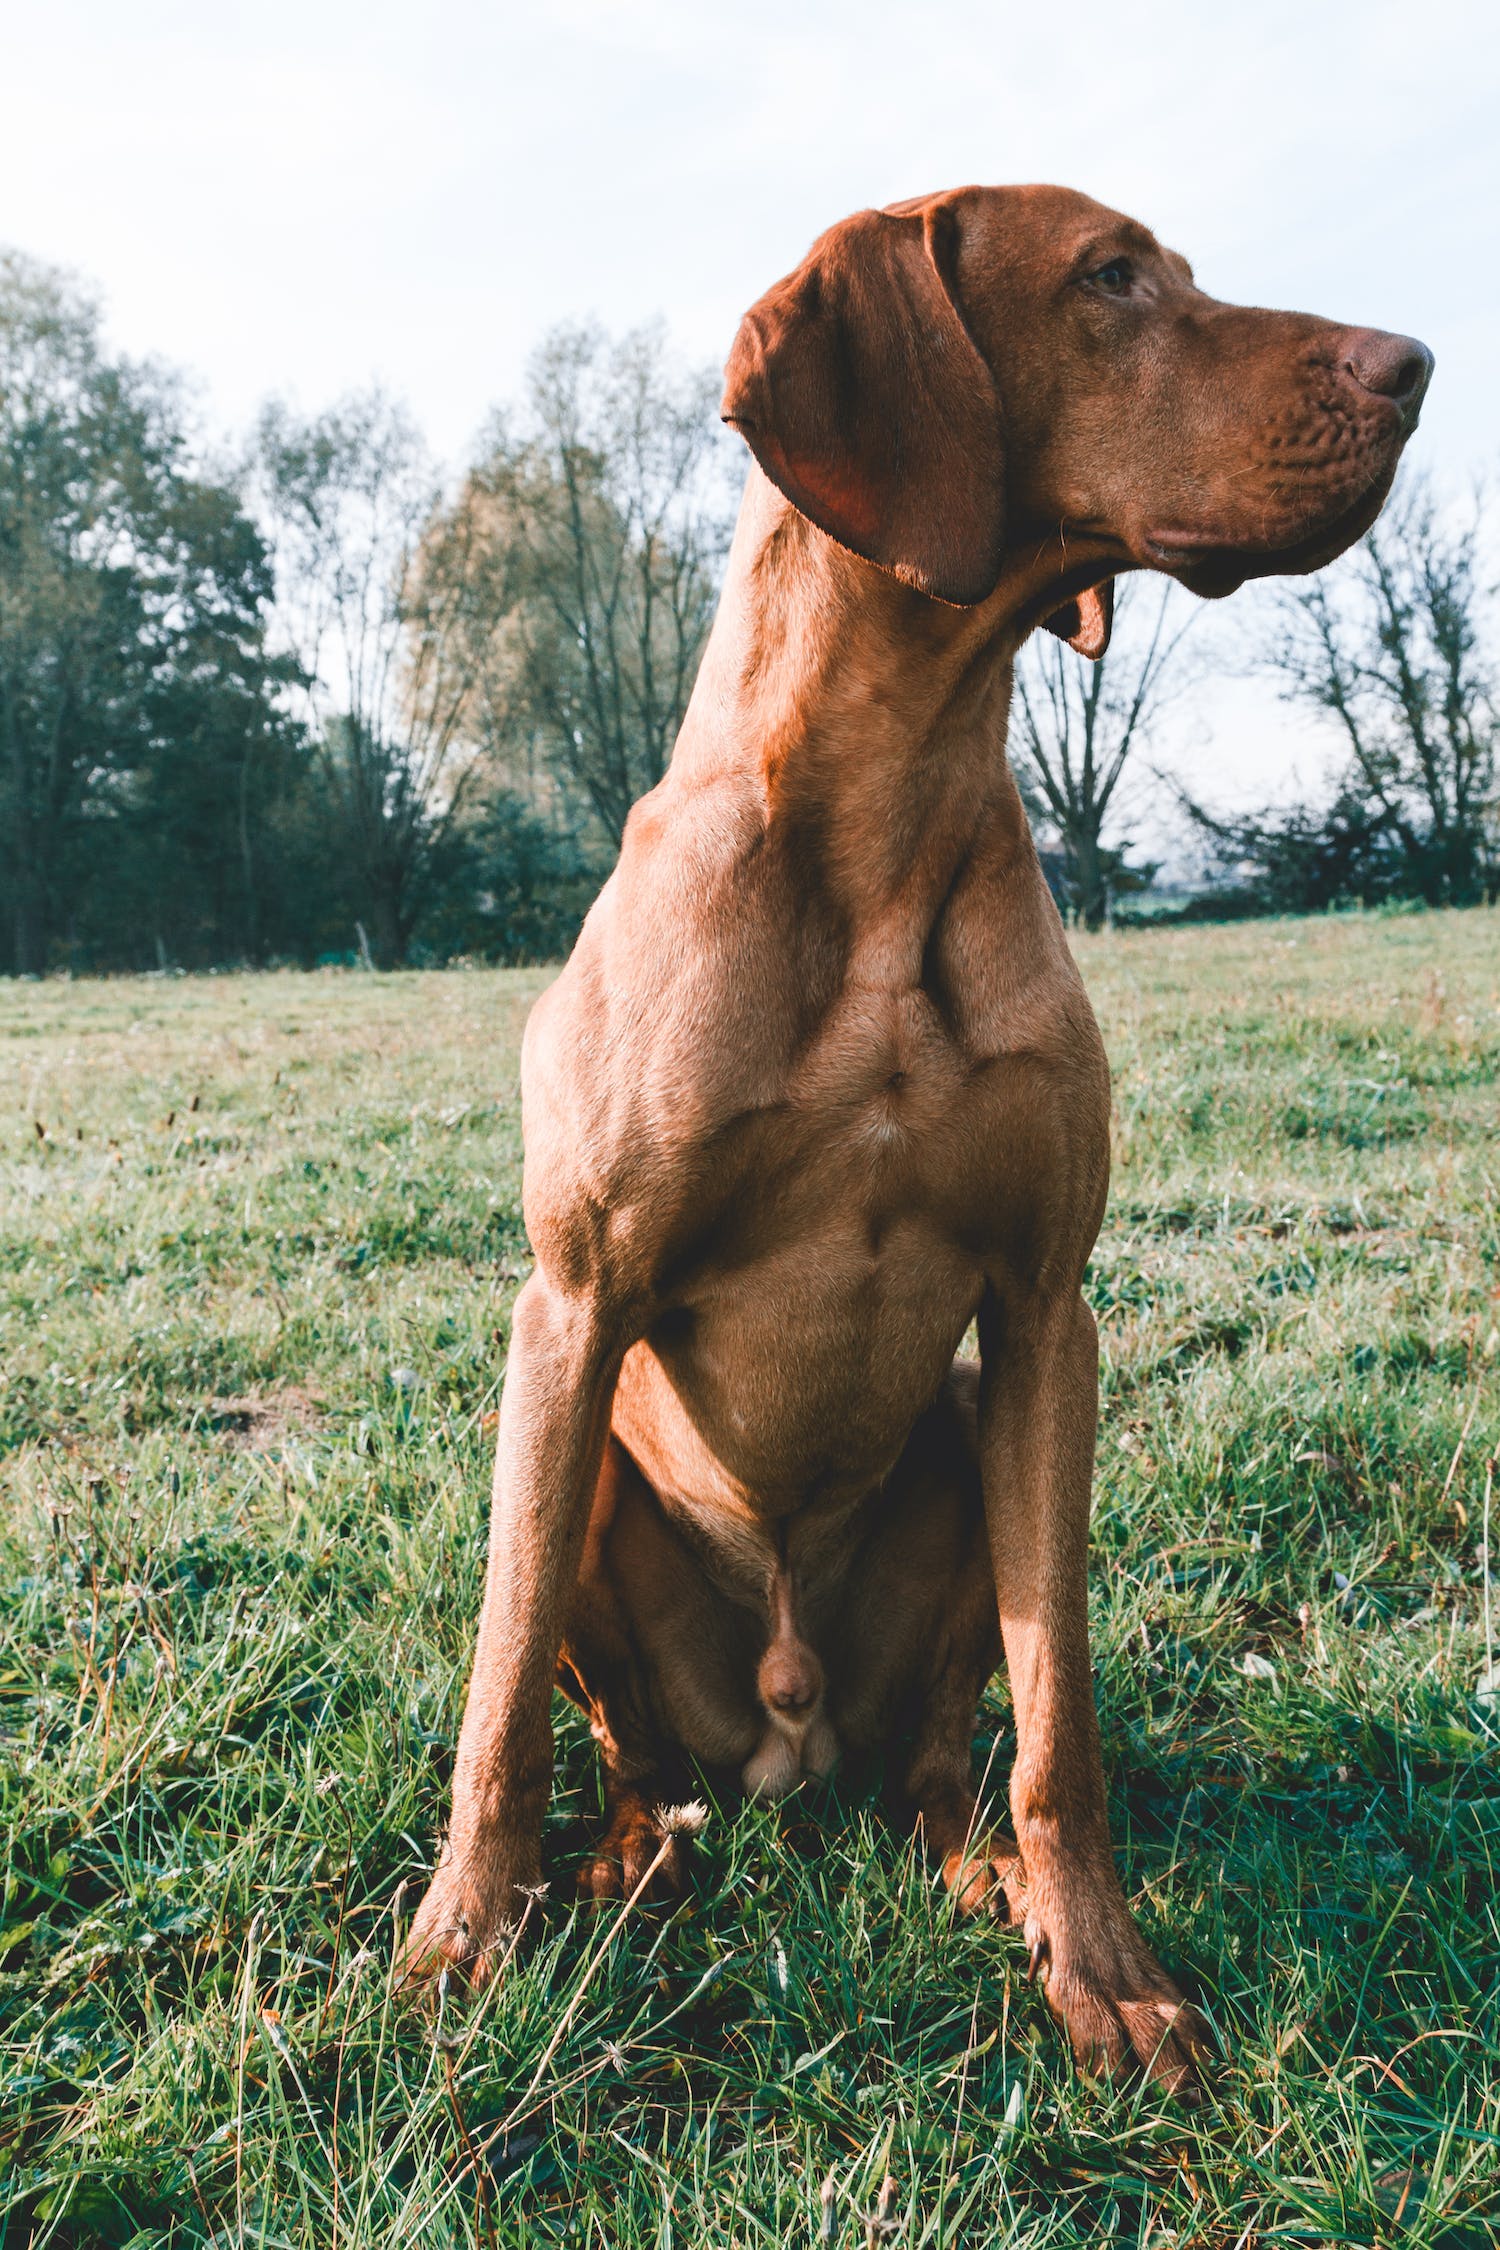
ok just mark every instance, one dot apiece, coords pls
pixel 989 1880
pixel 1119 2006
pixel 637 1852
pixel 463 1934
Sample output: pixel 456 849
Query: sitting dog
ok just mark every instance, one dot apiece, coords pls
pixel 820 1085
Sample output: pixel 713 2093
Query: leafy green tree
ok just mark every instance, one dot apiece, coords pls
pixel 508 884
pixel 132 594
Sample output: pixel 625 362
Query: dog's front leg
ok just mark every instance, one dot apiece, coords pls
pixel 1038 1407
pixel 554 1419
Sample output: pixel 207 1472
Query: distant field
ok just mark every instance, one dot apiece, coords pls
pixel 259 1237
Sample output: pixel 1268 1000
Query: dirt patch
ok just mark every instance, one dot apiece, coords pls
pixel 261 1421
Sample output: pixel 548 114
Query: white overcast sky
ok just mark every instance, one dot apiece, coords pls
pixel 300 195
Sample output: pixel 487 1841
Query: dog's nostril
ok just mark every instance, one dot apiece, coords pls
pixel 1393 367
pixel 1412 374
pixel 798 1695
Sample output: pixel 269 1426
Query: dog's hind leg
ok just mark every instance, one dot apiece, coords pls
pixel 981 1868
pixel 601 1670
pixel 664 1668
pixel 918 1638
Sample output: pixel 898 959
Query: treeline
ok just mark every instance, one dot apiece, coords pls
pixel 313 703
pixel 1397 650
pixel 309 704
pixel 1393 648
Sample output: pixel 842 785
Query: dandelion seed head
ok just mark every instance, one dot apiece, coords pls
pixel 682 1820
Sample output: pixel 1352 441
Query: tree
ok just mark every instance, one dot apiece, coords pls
pixel 131 590
pixel 605 511
pixel 179 856
pixel 1394 647
pixel 381 607
pixel 1074 727
pixel 509 884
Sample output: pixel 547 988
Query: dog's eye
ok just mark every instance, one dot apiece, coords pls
pixel 1113 279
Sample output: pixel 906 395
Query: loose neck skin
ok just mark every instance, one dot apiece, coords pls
pixel 866 720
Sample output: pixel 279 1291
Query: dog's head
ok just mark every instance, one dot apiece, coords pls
pixel 957 380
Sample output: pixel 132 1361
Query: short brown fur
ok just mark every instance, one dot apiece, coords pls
pixel 820 1085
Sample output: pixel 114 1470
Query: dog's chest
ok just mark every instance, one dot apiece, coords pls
pixel 881 1070
pixel 828 1203
pixel 887 1125
pixel 820 1286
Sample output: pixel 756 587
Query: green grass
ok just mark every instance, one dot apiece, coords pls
pixel 258 1242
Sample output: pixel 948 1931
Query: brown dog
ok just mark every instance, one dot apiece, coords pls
pixel 820 1084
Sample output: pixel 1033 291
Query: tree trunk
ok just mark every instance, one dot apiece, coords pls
pixel 30 922
pixel 1090 891
pixel 387 943
pixel 28 882
pixel 247 864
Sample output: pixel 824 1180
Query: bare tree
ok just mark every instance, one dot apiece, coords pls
pixel 1074 727
pixel 473 552
pixel 380 599
pixel 605 508
pixel 1394 647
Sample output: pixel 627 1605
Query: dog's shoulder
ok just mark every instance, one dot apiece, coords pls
pixel 675 1019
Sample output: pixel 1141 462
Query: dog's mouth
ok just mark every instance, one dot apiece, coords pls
pixel 1212 562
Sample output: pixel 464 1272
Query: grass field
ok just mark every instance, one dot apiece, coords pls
pixel 258 1242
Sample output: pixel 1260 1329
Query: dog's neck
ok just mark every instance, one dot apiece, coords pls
pixel 866 721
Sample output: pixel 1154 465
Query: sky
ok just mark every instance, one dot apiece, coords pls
pixel 304 195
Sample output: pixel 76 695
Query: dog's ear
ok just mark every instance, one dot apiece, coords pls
pixel 1086 622
pixel 864 398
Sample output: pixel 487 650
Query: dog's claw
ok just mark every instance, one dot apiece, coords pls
pixel 1038 1954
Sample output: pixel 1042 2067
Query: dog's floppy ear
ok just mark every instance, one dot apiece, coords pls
pixel 1086 621
pixel 864 398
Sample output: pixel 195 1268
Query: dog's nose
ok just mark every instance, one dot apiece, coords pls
pixel 794 1695
pixel 1393 367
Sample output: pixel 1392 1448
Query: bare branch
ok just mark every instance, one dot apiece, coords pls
pixel 1075 727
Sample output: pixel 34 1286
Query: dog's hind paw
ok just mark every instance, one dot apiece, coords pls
pixel 638 1852
pixel 988 1880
